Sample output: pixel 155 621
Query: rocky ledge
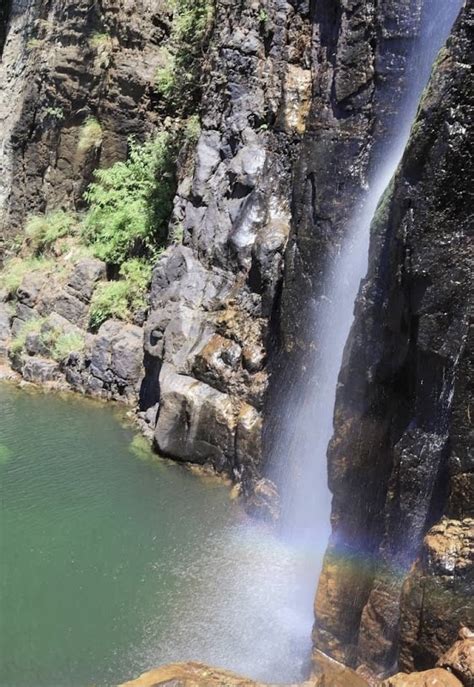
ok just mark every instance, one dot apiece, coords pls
pixel 454 669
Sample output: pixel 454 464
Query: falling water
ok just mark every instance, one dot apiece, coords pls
pixel 299 465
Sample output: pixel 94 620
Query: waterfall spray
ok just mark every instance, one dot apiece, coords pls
pixel 298 465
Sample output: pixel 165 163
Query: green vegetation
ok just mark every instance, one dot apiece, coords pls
pixel 90 135
pixel 192 129
pixel 102 44
pixel 66 343
pixel 99 40
pixel 16 269
pixel 263 16
pixel 130 202
pixel 178 80
pixel 120 299
pixel 55 112
pixel 165 76
pixel 110 299
pixel 141 449
pixel 35 44
pixel 58 342
pixel 32 326
pixel 43 230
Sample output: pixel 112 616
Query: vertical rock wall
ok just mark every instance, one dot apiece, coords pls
pixel 62 63
pixel 400 458
pixel 213 295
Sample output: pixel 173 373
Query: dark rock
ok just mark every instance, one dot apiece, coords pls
pixel 400 421
pixel 5 331
pixel 84 277
pixel 40 370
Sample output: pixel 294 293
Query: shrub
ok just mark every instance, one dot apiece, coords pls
pixel 130 202
pixel 120 299
pixel 192 129
pixel 55 112
pixel 110 299
pixel 43 230
pixel 32 326
pixel 99 40
pixel 90 135
pixel 164 76
pixel 179 80
pixel 137 275
pixel 66 343
pixel 16 269
pixel 35 44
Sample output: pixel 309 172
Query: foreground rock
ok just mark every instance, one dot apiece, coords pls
pixel 456 669
pixel 331 674
pixel 430 678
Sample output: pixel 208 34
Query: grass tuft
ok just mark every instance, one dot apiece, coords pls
pixel 90 135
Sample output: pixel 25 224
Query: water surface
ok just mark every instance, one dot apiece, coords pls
pixel 113 562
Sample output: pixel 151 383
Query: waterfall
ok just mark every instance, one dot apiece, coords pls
pixel 298 465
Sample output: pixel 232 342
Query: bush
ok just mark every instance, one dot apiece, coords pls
pixel 43 230
pixel 120 299
pixel 99 40
pixel 164 76
pixel 16 269
pixel 66 343
pixel 55 112
pixel 137 275
pixel 110 299
pixel 178 82
pixel 192 130
pixel 131 202
pixel 90 135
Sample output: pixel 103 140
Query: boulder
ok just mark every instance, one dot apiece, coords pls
pixel 429 678
pixel 459 659
pixel 438 596
pixel 196 423
pixel 30 288
pixel 70 307
pixel 115 356
pixel 84 277
pixel 40 370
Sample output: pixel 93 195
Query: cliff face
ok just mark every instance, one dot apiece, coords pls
pixel 296 103
pixel 400 465
pixel 292 99
pixel 61 64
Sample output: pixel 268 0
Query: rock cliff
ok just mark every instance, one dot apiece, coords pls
pixel 291 104
pixel 399 574
pixel 293 100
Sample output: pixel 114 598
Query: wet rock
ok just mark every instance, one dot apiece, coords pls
pixel 438 595
pixel 189 675
pixel 459 659
pixel 400 420
pixel 198 675
pixel 430 678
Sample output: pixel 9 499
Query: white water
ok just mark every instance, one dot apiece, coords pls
pixel 261 615
pixel 299 466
